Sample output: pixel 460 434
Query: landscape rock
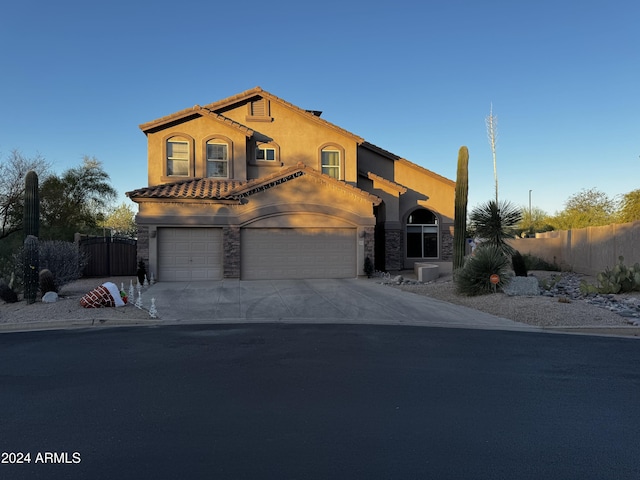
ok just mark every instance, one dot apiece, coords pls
pixel 50 297
pixel 517 286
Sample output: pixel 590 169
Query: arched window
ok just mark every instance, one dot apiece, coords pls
pixel 332 160
pixel 178 156
pixel 217 158
pixel 422 234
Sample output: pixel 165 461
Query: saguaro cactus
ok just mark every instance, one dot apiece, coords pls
pixel 31 265
pixel 460 219
pixel 31 220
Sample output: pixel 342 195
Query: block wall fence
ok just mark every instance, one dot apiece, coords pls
pixel 586 250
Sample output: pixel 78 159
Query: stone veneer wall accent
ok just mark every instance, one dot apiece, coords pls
pixel 394 251
pixel 143 244
pixel 370 244
pixel 231 245
pixel 446 246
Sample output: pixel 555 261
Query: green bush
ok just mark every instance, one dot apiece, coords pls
pixel 474 277
pixel 536 263
pixel 518 264
pixel 368 267
pixel 7 294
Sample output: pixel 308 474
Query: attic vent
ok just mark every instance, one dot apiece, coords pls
pixel 258 108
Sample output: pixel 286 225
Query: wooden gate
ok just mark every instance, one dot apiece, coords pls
pixel 109 256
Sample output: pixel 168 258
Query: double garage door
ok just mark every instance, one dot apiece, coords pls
pixel 191 254
pixel 297 253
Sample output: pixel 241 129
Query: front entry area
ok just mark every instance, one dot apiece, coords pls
pixel 298 253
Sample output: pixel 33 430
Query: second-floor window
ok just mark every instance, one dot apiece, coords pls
pixel 217 160
pixel 331 163
pixel 266 153
pixel 177 157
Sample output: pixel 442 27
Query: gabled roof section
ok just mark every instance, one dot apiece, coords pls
pixel 446 180
pixel 396 158
pixel 380 151
pixel 212 189
pixel 400 189
pixel 193 112
pixel 313 115
pixel 289 173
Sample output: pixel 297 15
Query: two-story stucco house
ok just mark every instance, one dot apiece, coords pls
pixel 253 187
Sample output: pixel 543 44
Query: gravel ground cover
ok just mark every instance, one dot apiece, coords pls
pixel 539 310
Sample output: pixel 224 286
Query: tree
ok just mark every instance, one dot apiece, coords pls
pixel 121 221
pixel 630 207
pixel 494 223
pixel 75 201
pixel 12 175
pixel 588 208
pixel 492 133
pixel 534 220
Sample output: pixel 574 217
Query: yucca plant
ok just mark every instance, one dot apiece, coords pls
pixel 474 278
pixel 494 223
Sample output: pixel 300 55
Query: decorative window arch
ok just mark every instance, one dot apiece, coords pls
pixel 179 156
pixel 422 234
pixel 332 160
pixel 218 152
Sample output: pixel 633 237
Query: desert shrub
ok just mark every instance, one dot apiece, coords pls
pixel 46 282
pixel 368 267
pixel 533 262
pixel 141 273
pixel 474 277
pixel 495 223
pixel 620 278
pixel 63 259
pixel 7 294
pixel 518 264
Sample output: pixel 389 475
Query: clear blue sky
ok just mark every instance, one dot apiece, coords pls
pixel 415 78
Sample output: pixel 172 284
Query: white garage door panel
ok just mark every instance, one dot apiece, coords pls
pixel 296 253
pixel 189 254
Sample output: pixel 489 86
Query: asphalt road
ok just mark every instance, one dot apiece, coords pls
pixel 318 402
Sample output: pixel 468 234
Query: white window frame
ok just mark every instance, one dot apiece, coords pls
pixel 173 158
pixel 215 162
pixel 326 168
pixel 265 156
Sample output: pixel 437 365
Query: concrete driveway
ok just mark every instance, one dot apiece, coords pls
pixel 311 301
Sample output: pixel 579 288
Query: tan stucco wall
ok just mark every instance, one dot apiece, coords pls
pixel 302 202
pixel 198 131
pixel 299 138
pixel 299 195
pixel 441 194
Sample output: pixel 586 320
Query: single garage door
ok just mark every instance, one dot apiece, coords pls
pixel 290 253
pixel 186 254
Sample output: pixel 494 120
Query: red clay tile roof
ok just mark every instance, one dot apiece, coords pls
pixel 212 189
pixel 201 188
pixel 193 111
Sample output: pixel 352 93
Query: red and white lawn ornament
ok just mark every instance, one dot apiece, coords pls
pixel 106 295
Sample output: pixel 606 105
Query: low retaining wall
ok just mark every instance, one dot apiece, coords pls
pixel 426 272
